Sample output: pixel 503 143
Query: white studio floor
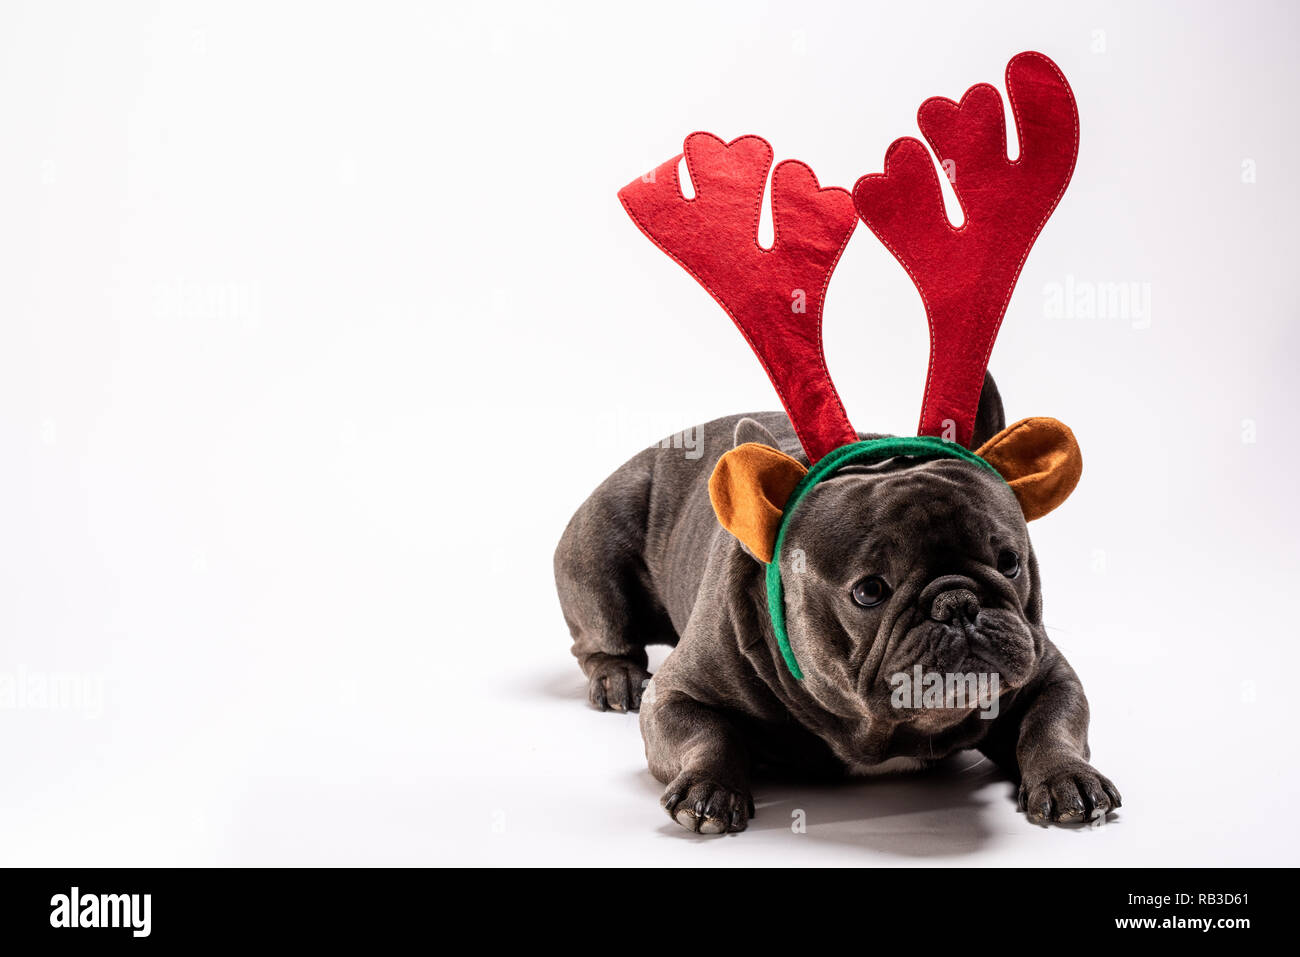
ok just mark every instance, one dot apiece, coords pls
pixel 1181 808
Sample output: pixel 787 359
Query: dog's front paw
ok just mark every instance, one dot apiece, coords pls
pixel 616 684
pixel 1070 794
pixel 707 807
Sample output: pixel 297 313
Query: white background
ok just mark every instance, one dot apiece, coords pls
pixel 319 320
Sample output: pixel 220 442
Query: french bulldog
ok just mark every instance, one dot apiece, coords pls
pixel 907 567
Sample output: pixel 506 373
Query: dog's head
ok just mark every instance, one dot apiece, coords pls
pixel 910 587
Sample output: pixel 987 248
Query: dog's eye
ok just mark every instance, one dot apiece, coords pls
pixel 871 591
pixel 1009 563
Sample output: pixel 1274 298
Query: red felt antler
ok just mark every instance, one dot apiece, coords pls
pixel 965 275
pixel 774 295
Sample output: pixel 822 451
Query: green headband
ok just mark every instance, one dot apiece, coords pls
pixel 856 453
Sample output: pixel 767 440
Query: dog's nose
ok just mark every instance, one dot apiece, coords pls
pixel 958 604
pixel 951 597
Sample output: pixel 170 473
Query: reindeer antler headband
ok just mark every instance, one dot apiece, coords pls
pixel 965 276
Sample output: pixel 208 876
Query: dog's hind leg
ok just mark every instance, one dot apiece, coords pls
pixel 608 600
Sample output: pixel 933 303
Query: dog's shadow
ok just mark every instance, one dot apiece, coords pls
pixel 941 811
pixel 562 686
pixel 937 812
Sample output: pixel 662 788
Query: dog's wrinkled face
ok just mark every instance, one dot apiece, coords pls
pixel 913 569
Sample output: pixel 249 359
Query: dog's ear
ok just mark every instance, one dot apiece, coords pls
pixel 751 430
pixel 749 488
pixel 1040 460
pixel 989 417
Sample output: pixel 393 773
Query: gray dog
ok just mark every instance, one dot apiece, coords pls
pixel 909 568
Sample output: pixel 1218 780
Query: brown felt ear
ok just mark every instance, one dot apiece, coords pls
pixel 1040 460
pixel 749 488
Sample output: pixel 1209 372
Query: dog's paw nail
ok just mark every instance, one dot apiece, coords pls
pixel 1075 794
pixel 616 685
pixel 707 808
